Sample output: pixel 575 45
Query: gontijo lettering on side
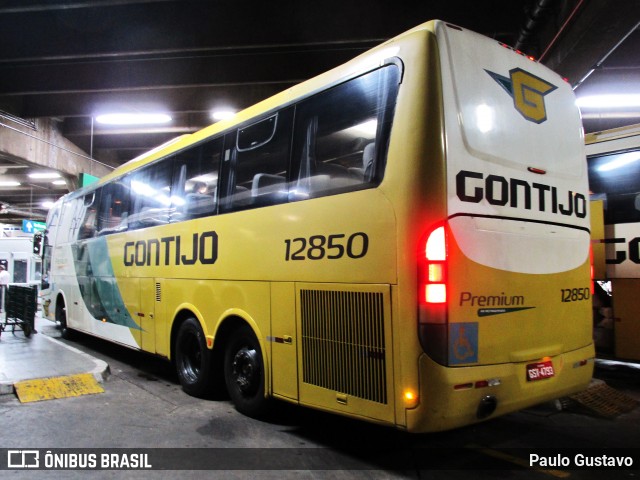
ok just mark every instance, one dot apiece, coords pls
pixel 203 248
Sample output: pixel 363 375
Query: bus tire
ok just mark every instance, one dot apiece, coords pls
pixel 61 318
pixel 244 372
pixel 193 359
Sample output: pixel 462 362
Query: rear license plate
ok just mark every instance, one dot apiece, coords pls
pixel 540 371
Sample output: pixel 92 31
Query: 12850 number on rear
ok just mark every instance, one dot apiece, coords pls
pixel 575 294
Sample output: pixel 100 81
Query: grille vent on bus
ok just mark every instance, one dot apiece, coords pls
pixel 158 292
pixel 343 342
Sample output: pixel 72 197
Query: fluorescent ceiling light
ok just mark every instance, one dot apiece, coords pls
pixel 133 118
pixel 59 182
pixel 619 161
pixel 44 175
pixel 9 183
pixel 47 204
pixel 142 188
pixel 367 128
pixel 222 114
pixel 609 101
pixel 610 114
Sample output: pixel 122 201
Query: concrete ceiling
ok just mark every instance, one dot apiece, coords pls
pixel 70 60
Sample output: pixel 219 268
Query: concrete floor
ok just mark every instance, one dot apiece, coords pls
pixel 41 355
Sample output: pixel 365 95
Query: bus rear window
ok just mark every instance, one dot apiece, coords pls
pixel 511 111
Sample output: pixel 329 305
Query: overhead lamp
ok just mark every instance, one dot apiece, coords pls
pixel 133 118
pixel 615 100
pixel 59 182
pixel 367 128
pixel 604 115
pixel 9 183
pixel 44 175
pixel 222 114
pixel 47 204
pixel 619 161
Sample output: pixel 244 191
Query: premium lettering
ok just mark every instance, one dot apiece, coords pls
pixel 468 299
pixel 473 187
pixel 188 250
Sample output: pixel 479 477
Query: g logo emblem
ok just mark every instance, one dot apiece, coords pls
pixel 527 91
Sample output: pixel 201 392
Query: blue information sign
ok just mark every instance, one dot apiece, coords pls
pixel 31 226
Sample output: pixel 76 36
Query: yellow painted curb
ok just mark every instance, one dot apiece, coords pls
pixel 57 387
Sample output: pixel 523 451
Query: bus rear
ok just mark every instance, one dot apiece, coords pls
pixel 504 283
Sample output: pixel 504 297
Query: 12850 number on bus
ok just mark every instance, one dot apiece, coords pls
pixel 575 294
pixel 332 247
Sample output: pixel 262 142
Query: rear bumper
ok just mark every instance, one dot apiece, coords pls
pixel 446 407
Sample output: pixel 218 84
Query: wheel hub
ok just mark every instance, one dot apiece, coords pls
pixel 246 369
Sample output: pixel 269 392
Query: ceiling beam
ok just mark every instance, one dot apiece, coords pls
pixel 589 37
pixel 171 72
pixel 46 147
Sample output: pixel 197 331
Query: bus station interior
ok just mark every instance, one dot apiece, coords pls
pixel 66 62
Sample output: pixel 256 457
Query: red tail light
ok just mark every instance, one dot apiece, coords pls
pixel 432 294
pixel 434 271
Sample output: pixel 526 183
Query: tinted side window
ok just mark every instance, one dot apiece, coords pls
pixel 113 211
pixel 89 221
pixel 341 135
pixel 195 190
pixel 256 163
pixel 151 195
pixel 256 134
pixel 615 178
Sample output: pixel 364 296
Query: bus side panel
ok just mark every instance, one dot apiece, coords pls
pixel 614 178
pixel 299 241
pixel 213 301
pixel 284 350
pixel 415 184
pixel 345 353
pixel 622 249
pixel 147 315
pixel 95 300
pixel 626 303
pixel 597 239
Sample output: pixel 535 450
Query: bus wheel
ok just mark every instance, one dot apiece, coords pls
pixel 193 359
pixel 244 373
pixel 61 318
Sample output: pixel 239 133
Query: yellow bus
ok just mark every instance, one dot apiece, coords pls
pixel 613 157
pixel 403 239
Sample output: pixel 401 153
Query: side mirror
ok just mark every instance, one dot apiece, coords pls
pixel 37 243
